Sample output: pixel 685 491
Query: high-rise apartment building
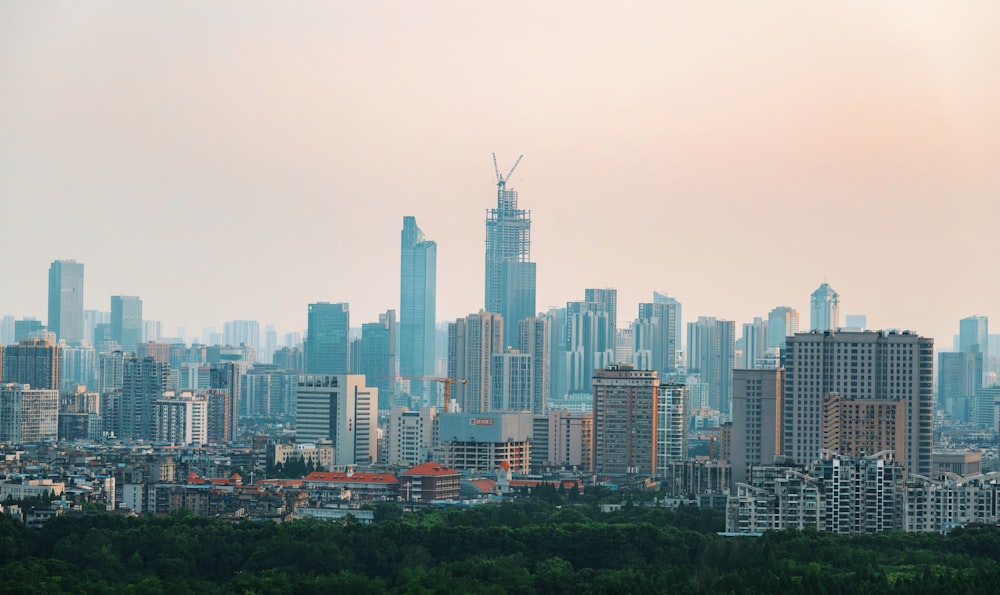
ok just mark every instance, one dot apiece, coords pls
pixel 35 362
pixel 781 322
pixel 510 274
pixel 824 309
pixel 673 412
pixel 144 382
pixel 126 321
pixel 417 306
pixel 711 351
pixel 625 421
pixel 590 343
pixel 533 340
pixel 66 300
pixel 675 310
pixel 377 356
pixel 241 332
pixel 339 408
pixel 756 419
pixel 557 353
pixel 28 414
pixel 755 343
pixel 608 300
pixel 328 339
pixel 472 341
pixel 181 418
pixel 857 366
pixel 654 336
pixel 229 376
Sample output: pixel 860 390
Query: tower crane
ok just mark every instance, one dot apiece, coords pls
pixel 447 382
pixel 502 180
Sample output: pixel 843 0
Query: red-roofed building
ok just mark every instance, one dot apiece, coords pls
pixel 429 481
pixel 363 486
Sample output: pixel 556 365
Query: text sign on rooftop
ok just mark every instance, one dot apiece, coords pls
pixel 481 421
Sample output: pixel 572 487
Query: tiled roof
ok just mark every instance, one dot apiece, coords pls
pixel 356 477
pixel 430 469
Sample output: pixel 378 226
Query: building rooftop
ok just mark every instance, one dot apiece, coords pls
pixel 430 468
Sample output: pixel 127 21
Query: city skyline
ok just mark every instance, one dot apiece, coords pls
pixel 683 119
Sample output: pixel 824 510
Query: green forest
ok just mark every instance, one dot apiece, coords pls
pixel 528 546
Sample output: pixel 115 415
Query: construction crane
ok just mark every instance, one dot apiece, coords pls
pixel 502 180
pixel 447 382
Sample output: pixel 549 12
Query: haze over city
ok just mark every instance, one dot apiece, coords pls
pixel 241 161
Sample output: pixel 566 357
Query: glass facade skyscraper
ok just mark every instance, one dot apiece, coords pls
pixel 66 300
pixel 417 305
pixel 328 339
pixel 126 321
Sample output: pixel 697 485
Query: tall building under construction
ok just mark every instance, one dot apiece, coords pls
pixel 510 274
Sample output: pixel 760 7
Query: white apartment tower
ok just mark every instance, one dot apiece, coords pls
pixel 340 408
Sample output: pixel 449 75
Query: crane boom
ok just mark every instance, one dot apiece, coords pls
pixel 513 167
pixel 447 382
pixel 496 168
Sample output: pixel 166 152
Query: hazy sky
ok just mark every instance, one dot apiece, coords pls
pixel 237 160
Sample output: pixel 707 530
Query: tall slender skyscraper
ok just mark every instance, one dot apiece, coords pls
pixel 711 352
pixel 328 341
pixel 824 312
pixel 417 305
pixel 510 274
pixel 66 300
pixel 377 357
pixel 126 321
pixel 472 341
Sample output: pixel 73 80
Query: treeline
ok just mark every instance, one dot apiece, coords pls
pixel 525 547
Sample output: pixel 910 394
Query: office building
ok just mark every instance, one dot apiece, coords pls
pixel 376 357
pixel 66 300
pixel 824 309
pixel 960 376
pixel 608 300
pixel 711 354
pixel 625 421
pixel 7 330
pixel 339 408
pixel 328 339
pixel 28 414
pixel 412 434
pixel 26 328
pixel 417 306
pixel 480 443
pixel 673 412
pixel 472 341
pixel 974 337
pixel 35 362
pixel 756 436
pixel 126 321
pixel 510 274
pixel 781 322
pixel 512 381
pixel 876 366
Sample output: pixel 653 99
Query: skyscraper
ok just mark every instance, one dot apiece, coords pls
pixel 35 362
pixel 533 339
pixel 241 332
pixel 377 356
pixel 781 322
pixel 417 305
pixel 625 420
pixel 756 419
pixel 711 353
pixel 66 300
pixel 824 309
pixel 590 343
pixel 472 341
pixel 126 321
pixel 339 408
pixel 973 337
pixel 654 336
pixel 858 366
pixel 510 274
pixel 328 339
pixel 676 311
pixel 754 343
pixel 144 381
pixel 608 299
